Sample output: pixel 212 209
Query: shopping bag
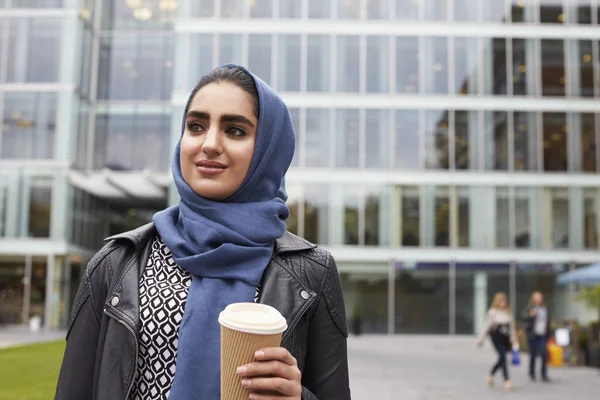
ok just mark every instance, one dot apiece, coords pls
pixel 516 357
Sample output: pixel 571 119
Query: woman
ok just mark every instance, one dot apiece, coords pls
pixel 145 319
pixel 536 319
pixel 500 327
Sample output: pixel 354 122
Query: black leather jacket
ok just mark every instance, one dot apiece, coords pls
pixel 301 281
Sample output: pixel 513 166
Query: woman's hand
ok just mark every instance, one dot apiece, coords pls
pixel 273 375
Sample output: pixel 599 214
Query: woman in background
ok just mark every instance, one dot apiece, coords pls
pixel 500 327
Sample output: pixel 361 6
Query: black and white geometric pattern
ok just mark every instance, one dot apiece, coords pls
pixel 163 293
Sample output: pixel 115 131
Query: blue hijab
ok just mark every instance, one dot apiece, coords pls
pixel 226 245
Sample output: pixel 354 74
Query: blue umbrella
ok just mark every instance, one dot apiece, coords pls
pixel 589 275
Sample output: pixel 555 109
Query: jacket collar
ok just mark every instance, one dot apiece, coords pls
pixel 281 286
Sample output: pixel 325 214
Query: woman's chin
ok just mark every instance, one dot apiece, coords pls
pixel 211 189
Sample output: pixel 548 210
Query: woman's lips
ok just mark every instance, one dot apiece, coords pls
pixel 210 167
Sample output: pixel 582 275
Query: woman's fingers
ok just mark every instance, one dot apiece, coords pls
pixel 275 353
pixel 277 385
pixel 270 368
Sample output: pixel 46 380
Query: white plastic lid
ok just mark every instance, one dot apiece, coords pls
pixel 258 319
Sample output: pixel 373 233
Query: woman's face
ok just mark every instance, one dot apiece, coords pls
pixel 502 302
pixel 538 299
pixel 218 141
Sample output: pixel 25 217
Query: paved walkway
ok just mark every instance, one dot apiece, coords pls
pixel 451 368
pixel 17 336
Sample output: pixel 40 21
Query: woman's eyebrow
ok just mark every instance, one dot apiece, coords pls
pixel 224 118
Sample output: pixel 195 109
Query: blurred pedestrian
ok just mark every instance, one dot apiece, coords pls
pixel 536 318
pixel 500 328
pixel 145 319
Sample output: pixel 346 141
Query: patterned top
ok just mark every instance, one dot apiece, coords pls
pixel 163 293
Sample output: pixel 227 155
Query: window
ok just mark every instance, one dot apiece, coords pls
pixel 493 10
pixel 466 66
pixel 290 9
pixel 29 125
pixel 407 64
pixel 437 154
pixel 436 10
pixel 318 8
pixel 555 142
pixel 436 203
pixel 259 56
pixel 318 137
pixel 406 10
pixel 494 64
pixel 318 60
pixel 551 12
pixel 230 49
pixel 40 208
pixel 202 8
pixel 316 213
pixel 201 59
pixel 261 8
pixel 378 9
pixel 295 116
pixel 590 218
pixel 410 234
pixel 406 141
pixel 588 143
pixel 348 9
pixel 232 8
pixel 288 73
pixel 556 219
pixel 496 140
pixel 525 141
pixel 527 222
pixel 34 49
pixel 351 207
pixel 376 217
pixel 348 64
pixel 377 64
pixel 585 73
pixel 377 139
pixel 502 211
pixel 466 10
pixel 466 128
pixel 436 65
pixel 347 138
pixel 553 68
pixel 524 67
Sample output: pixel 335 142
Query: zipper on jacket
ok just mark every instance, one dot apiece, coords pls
pixel 135 363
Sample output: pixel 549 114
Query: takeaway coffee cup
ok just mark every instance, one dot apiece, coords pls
pixel 245 328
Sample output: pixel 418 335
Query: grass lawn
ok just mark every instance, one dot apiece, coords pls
pixel 30 372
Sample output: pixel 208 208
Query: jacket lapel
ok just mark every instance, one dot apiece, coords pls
pixel 282 288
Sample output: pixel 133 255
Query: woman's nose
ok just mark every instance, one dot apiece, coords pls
pixel 212 142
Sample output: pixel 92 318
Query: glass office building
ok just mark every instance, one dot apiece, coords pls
pixel 446 149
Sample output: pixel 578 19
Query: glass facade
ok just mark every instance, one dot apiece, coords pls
pixel 467 156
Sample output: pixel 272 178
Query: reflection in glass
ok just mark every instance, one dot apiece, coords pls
pixel 551 12
pixel 476 284
pixel 411 228
pixel 464 217
pixel 525 141
pixel 428 285
pixel 347 138
pixel 232 8
pixel 295 116
pixel 261 8
pixel 465 69
pixel 348 9
pixel 348 64
pixel 34 49
pixel 351 198
pixel 436 204
pixel 230 49
pixel 553 68
pixel 259 56
pixel 136 68
pixel 558 218
pixel 377 64
pixel 585 73
pixel 318 8
pixel 318 138
pixel 496 140
pixel 436 10
pixel 318 61
pixel 202 8
pixel 406 154
pixel 588 142
pixel 290 9
pixel 581 12
pixel 29 130
pixel 12 273
pixel 466 127
pixel 502 218
pixel 377 139
pixel 135 143
pixel 436 65
pixel 377 9
pixel 590 218
pixel 494 65
pixel 436 140
pixel 316 213
pixel 407 10
pixel 366 297
pixel 407 64
pixel 40 209
pixel 524 67
pixel 288 71
pixel 555 141
pixel 493 10
pixel 152 15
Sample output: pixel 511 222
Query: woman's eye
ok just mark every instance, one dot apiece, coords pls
pixel 194 127
pixel 236 132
